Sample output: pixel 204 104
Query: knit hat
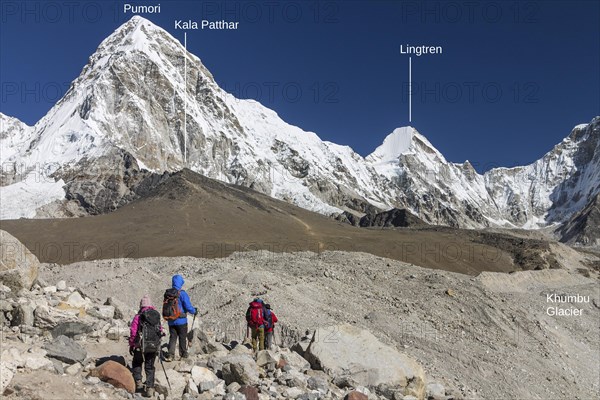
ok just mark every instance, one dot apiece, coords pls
pixel 145 302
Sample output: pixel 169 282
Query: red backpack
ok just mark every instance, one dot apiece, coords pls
pixel 254 315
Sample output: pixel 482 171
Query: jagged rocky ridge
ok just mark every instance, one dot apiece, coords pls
pixel 121 122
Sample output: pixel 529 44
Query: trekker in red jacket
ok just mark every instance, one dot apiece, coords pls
pixel 270 320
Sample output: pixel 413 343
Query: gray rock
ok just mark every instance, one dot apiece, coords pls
pixel 65 349
pixel 205 342
pixel 435 391
pixel 233 387
pixel 204 378
pixel 48 318
pixel 70 329
pixel 6 376
pixel 345 350
pixel 241 369
pixel 177 380
pixel 102 312
pixel 318 383
pixel 22 315
pixel 5 306
pixel 18 266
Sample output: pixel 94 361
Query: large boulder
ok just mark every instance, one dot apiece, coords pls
pixel 346 350
pixel 205 342
pixel 71 329
pixel 204 378
pixel 48 318
pixel 66 350
pixel 18 266
pixel 241 369
pixel 116 374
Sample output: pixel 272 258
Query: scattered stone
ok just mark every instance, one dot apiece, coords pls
pixel 37 360
pixel 50 289
pixel 233 387
pixel 250 392
pixel 121 309
pixel 293 392
pixel 266 357
pixel 241 369
pixel 6 375
pixel 435 391
pixel 23 315
pixel 206 343
pixel 45 317
pixel 76 300
pixel 177 380
pixel 70 329
pixel 102 312
pixel 204 378
pixel 356 395
pixel 65 349
pixel 116 374
pixel 73 369
pixel 61 286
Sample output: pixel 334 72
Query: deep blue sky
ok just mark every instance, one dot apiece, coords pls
pixel 544 56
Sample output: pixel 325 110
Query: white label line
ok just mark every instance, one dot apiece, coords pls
pixel 409 89
pixel 185 99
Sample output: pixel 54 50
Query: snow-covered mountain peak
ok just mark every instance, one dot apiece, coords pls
pixel 396 143
pixel 404 141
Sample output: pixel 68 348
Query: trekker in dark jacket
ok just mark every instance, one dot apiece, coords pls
pixel 178 329
pixel 143 357
pixel 270 320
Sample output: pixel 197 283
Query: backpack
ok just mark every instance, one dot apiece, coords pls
pixel 149 335
pixel 254 315
pixel 171 310
pixel 268 319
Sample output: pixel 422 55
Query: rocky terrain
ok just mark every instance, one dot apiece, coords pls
pixel 347 322
pixel 121 126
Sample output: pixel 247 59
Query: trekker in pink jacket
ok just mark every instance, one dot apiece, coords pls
pixel 144 344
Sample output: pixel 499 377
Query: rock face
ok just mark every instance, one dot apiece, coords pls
pixel 345 350
pixel 116 374
pixel 391 218
pixel 18 266
pixel 65 349
pixel 584 227
pixel 124 128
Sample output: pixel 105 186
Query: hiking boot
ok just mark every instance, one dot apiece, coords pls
pixel 185 355
pixel 149 392
pixel 169 358
pixel 139 386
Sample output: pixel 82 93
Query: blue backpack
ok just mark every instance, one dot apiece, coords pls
pixel 268 318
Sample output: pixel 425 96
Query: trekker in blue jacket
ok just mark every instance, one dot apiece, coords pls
pixel 178 328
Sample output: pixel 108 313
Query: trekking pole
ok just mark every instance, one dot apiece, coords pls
pixel 191 332
pixel 165 372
